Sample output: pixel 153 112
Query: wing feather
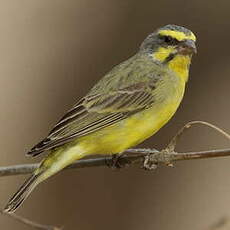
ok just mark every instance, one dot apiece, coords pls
pixel 95 112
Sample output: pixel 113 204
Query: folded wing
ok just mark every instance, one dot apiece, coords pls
pixel 95 112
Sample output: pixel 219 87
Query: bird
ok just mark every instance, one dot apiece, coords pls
pixel 128 105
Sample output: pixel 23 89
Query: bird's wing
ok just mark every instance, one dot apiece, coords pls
pixel 95 112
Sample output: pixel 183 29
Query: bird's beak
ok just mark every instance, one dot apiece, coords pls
pixel 187 47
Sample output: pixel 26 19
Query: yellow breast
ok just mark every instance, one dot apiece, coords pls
pixel 135 129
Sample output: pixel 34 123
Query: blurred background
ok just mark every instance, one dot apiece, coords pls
pixel 53 52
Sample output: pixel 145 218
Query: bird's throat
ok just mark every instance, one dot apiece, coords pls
pixel 180 65
pixel 176 62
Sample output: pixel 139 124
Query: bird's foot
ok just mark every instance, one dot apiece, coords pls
pixel 117 161
pixel 151 161
pixel 148 163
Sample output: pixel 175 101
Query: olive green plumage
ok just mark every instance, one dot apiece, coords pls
pixel 128 105
pixel 128 88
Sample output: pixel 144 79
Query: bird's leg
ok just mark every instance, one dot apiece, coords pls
pixel 117 162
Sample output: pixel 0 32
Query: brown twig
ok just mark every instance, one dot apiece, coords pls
pixel 136 158
pixel 168 155
pixel 172 145
pixel 30 223
pixel 150 157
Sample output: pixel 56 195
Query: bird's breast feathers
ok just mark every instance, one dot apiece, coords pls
pixel 136 128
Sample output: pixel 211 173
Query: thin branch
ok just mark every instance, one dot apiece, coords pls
pixel 136 158
pixel 31 223
pixel 168 155
pixel 149 157
pixel 172 145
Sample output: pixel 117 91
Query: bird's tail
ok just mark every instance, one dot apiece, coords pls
pixel 23 192
pixel 55 161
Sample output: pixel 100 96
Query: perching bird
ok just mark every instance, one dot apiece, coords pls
pixel 128 105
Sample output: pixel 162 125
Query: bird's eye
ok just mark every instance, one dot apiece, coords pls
pixel 169 40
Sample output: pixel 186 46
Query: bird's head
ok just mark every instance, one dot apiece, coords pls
pixel 171 45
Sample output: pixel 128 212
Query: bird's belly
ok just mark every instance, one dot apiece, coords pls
pixel 129 132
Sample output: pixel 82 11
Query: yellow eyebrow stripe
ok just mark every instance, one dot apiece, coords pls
pixel 177 34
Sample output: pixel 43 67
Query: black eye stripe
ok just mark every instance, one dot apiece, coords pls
pixel 169 40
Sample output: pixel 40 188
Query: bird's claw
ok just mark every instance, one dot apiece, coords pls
pixel 148 163
pixel 151 161
pixel 117 162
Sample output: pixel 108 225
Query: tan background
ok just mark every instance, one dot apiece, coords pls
pixel 52 52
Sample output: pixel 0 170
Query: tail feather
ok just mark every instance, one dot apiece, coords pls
pixel 21 194
pixel 55 161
